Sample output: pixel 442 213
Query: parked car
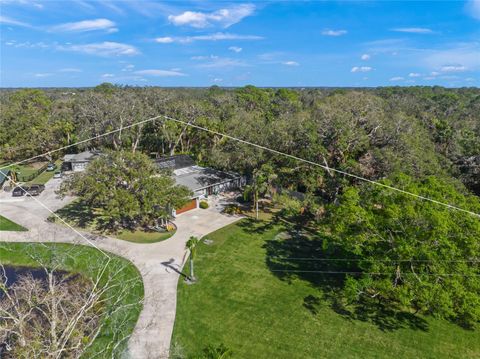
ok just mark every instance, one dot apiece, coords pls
pixel 18 192
pixel 35 189
pixel 57 174
pixel 51 167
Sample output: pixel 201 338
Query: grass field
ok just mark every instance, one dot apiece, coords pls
pixel 8 225
pixel 87 261
pixel 256 313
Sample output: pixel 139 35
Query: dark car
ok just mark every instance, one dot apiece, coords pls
pixel 35 189
pixel 51 167
pixel 18 192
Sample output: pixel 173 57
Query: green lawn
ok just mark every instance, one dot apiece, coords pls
pixel 8 225
pixel 257 313
pixel 143 236
pixel 46 176
pixel 122 316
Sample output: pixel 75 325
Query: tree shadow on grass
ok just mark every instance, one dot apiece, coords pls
pixel 78 214
pixel 294 254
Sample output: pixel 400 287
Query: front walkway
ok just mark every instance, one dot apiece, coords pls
pixel 159 263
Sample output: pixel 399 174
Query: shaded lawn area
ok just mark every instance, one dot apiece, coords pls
pixel 121 318
pixel 8 225
pixel 257 313
pixel 78 214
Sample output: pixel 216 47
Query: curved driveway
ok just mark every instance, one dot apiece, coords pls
pixel 159 263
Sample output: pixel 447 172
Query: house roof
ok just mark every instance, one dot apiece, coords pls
pixel 85 156
pixel 4 172
pixel 175 162
pixel 197 178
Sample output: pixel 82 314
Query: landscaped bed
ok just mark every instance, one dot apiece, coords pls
pixel 123 311
pixel 8 225
pixel 241 303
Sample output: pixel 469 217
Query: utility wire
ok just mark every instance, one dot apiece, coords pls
pixel 327 168
pixel 376 260
pixel 83 141
pixel 61 219
pixel 373 273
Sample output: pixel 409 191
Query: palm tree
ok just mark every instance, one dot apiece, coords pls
pixel 262 183
pixel 191 246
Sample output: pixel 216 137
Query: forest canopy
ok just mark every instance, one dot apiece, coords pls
pixel 425 140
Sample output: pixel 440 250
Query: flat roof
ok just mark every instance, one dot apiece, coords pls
pixel 84 156
pixel 196 178
pixel 175 162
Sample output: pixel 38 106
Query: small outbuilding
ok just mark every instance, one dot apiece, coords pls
pixel 78 162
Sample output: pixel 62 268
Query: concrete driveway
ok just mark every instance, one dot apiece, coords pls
pixel 159 263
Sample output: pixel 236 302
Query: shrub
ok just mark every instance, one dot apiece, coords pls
pixel 203 204
pixel 232 209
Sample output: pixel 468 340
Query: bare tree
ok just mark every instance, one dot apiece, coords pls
pixel 61 314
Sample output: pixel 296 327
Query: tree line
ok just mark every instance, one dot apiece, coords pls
pixel 425 140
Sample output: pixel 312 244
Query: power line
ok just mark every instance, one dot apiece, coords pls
pixel 83 141
pixel 376 260
pixel 373 273
pixel 60 218
pixel 327 168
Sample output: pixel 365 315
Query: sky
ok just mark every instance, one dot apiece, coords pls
pixel 76 43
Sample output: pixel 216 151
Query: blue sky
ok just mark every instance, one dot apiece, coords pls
pixel 202 43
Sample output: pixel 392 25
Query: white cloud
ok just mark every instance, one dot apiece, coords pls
pixel 414 30
pixel 204 57
pixel 70 69
pixel 473 8
pixel 414 74
pixel 9 21
pixel 41 75
pixel 160 73
pixel 219 36
pixel 365 57
pixel 107 76
pixel 361 69
pixel 397 78
pixel 460 55
pixel 434 73
pixel 235 49
pixel 453 68
pixel 222 62
pixel 290 63
pixel 128 68
pixel 164 40
pixel 106 48
pixel 223 17
pixel 86 25
pixel 334 32
pixel 217 80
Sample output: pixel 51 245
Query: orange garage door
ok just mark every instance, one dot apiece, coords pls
pixel 190 205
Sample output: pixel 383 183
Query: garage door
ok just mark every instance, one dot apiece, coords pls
pixel 190 205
